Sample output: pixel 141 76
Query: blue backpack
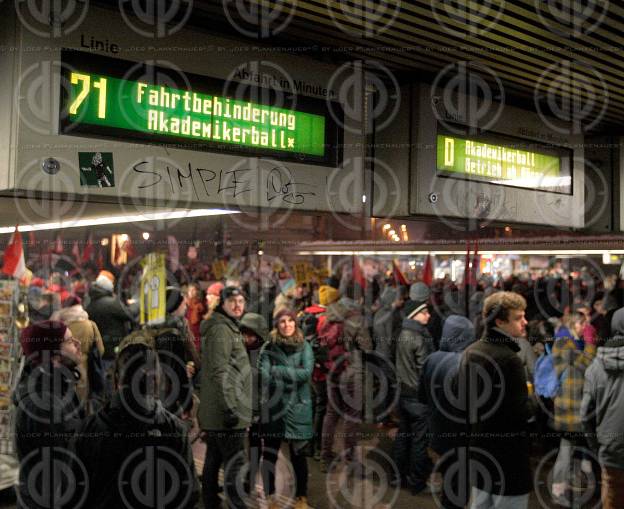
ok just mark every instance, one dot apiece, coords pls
pixel 545 378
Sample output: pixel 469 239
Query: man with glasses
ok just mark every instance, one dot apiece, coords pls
pixel 225 407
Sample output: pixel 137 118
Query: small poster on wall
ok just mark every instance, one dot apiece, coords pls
pixel 96 169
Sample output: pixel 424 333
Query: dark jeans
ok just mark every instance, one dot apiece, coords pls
pixel 255 456
pixel 320 407
pixel 410 445
pixel 344 401
pixel 223 448
pixel 297 459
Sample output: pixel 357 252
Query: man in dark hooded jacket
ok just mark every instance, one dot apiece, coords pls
pixel 438 389
pixel 136 452
pixel 602 412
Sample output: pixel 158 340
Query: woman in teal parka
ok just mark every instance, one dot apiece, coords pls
pixel 286 364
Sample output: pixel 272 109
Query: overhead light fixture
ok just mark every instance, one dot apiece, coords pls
pixel 363 198
pixel 146 235
pixel 407 252
pixel 124 237
pixel 104 241
pixel 130 218
pixel 392 233
pixel 260 253
pixel 386 227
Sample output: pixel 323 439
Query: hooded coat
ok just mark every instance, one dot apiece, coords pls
pixel 226 375
pixel 115 445
pixel 602 408
pixel 106 311
pixel 438 386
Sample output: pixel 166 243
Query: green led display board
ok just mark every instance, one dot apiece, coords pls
pixel 500 164
pixel 97 100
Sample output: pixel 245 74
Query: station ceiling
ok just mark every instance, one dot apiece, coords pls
pixel 563 56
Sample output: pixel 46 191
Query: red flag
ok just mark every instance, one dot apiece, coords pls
pixel 356 273
pixel 14 264
pixel 427 276
pixel 100 259
pixel 398 275
pixel 76 251
pixel 58 245
pixel 87 253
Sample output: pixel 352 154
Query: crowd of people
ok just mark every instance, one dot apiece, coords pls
pixel 468 380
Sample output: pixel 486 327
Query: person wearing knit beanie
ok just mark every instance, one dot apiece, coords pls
pixel 47 335
pixel 284 312
pixel 328 295
pixel 105 280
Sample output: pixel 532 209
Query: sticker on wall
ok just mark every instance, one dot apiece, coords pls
pixel 96 169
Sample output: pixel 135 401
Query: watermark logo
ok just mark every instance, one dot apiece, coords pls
pixel 359 181
pixel 368 97
pixel 53 477
pixel 467 97
pixel 565 478
pixel 48 198
pixel 571 18
pixel 362 482
pixel 364 19
pixel 155 476
pixel 463 19
pixel 156 19
pixel 51 18
pixel 571 97
pixel 36 97
pixel 259 20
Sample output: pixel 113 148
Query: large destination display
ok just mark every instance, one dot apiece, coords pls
pixel 506 162
pixel 101 98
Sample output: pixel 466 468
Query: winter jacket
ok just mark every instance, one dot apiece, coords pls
pixel 310 323
pixel 497 413
pixel 226 375
pixel 194 314
pixel 106 310
pixel 77 319
pixel 602 408
pixel 414 345
pixel 387 324
pixel 527 357
pixel 286 370
pixel 438 385
pixel 353 341
pixel 45 421
pixel 117 447
pixel 570 364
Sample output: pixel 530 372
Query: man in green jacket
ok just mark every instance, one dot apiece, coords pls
pixel 225 408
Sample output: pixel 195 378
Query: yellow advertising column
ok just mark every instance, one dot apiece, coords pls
pixel 153 288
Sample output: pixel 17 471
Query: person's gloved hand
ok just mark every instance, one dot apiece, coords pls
pixel 230 419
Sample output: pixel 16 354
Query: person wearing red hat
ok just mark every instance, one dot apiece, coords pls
pixel 48 410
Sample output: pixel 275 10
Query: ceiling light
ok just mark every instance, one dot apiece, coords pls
pixel 134 218
pixel 146 236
